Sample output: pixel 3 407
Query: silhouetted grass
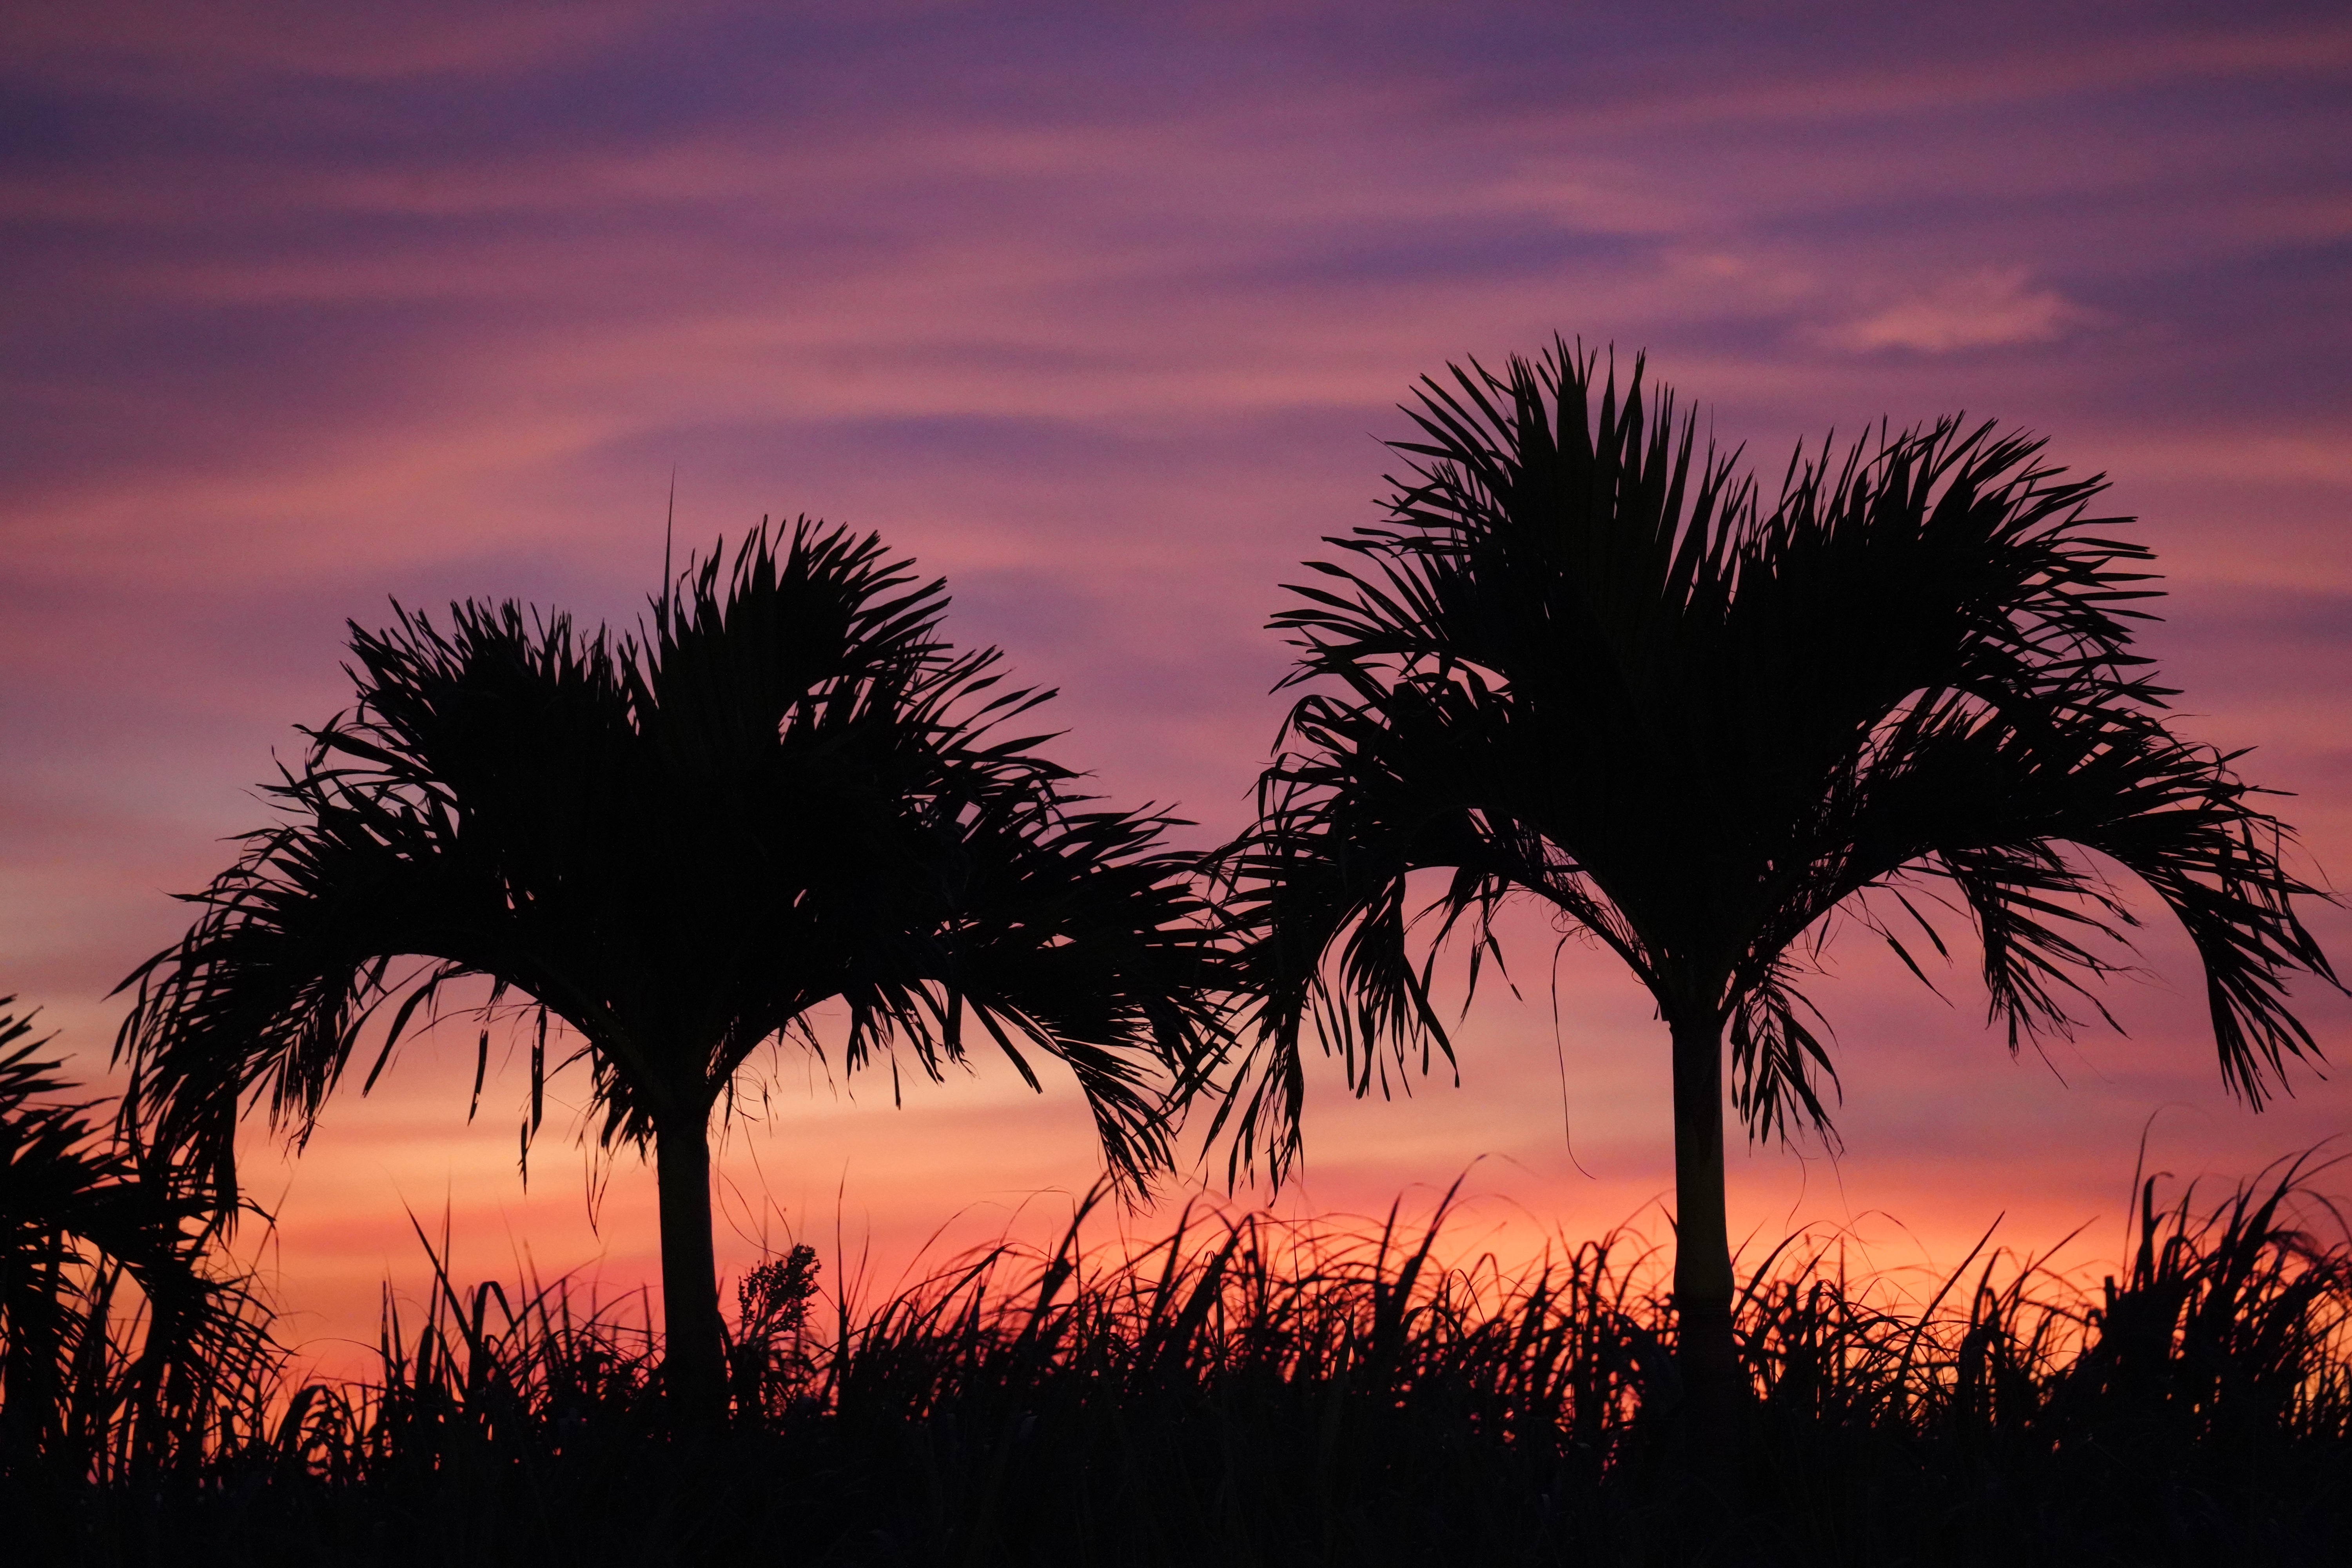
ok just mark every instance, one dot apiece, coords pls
pixel 1249 1390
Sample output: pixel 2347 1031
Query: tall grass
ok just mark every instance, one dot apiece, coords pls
pixel 1250 1391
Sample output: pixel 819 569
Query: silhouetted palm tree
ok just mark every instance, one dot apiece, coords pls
pixel 89 1370
pixel 793 793
pixel 1576 665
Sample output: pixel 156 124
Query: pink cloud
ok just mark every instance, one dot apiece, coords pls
pixel 1988 309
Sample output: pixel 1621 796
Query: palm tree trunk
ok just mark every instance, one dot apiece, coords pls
pixel 1710 1367
pixel 694 1365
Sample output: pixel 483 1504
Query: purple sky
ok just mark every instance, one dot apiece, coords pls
pixel 1104 318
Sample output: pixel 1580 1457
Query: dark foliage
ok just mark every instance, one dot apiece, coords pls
pixel 120 1340
pixel 1251 1393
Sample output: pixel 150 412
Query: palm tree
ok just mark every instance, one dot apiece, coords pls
pixel 88 1373
pixel 1576 665
pixel 792 793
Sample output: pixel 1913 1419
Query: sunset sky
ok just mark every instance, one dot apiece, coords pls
pixel 1103 312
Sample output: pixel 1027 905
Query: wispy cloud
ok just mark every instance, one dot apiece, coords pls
pixel 1995 307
